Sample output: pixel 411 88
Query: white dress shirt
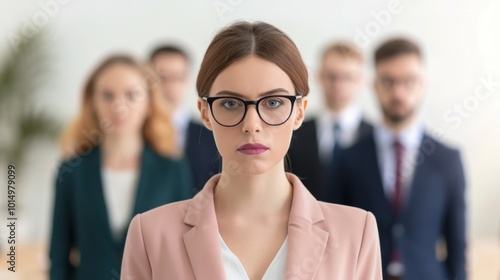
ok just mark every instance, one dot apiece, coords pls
pixel 348 121
pixel 410 138
pixel 119 193
pixel 235 271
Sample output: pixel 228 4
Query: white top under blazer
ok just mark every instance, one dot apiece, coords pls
pixel 235 270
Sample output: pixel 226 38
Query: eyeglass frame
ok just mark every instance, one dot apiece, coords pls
pixel 394 82
pixel 292 98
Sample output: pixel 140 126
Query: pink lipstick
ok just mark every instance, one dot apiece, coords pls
pixel 252 149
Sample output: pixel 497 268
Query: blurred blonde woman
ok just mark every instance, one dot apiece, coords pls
pixel 120 160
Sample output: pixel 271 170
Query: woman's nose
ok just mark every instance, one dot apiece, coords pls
pixel 252 122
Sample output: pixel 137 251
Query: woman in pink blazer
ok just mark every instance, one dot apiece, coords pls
pixel 253 220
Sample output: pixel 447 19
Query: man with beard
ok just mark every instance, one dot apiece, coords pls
pixel 413 184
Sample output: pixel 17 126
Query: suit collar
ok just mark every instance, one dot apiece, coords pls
pixel 423 175
pixel 202 241
pixel 420 176
pixel 94 196
pixel 94 183
pixel 304 205
pixel 373 170
pixel 306 241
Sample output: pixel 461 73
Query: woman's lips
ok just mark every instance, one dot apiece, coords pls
pixel 252 149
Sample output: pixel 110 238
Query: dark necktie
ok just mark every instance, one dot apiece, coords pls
pixel 329 164
pixel 336 145
pixel 397 198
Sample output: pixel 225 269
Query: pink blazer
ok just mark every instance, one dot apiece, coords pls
pixel 180 241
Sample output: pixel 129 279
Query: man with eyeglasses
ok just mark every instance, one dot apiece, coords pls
pixel 411 182
pixel 316 146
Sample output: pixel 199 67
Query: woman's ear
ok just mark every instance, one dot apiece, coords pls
pixel 203 108
pixel 301 110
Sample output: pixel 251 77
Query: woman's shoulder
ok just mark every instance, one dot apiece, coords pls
pixel 163 160
pixel 342 210
pixel 350 218
pixel 159 227
pixel 69 165
pixel 166 217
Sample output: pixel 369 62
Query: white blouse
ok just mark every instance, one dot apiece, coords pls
pixel 119 192
pixel 235 271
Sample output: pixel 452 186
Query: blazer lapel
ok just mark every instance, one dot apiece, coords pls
pixel 202 241
pixel 306 242
pixel 378 190
pixel 140 193
pixel 364 129
pixel 313 149
pixel 422 185
pixel 96 199
pixel 412 195
pixel 142 182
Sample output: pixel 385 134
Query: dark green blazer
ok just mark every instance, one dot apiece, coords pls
pixel 80 218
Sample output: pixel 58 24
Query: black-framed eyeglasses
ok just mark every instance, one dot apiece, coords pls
pixel 273 110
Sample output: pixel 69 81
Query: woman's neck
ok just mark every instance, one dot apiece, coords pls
pixel 263 196
pixel 122 152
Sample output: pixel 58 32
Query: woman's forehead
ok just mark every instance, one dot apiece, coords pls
pixel 251 77
pixel 120 75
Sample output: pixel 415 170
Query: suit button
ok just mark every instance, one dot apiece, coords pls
pixel 398 230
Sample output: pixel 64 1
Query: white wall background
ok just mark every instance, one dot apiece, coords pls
pixel 461 40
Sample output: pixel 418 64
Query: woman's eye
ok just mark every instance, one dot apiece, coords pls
pixel 230 104
pixel 273 103
pixel 108 96
pixel 132 95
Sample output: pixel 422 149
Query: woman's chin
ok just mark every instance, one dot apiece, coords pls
pixel 249 167
pixel 122 130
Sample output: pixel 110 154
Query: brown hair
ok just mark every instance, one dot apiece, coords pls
pixel 396 47
pixel 157 131
pixel 344 49
pixel 169 49
pixel 242 39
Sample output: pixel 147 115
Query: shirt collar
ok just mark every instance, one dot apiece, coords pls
pixel 410 138
pixel 347 120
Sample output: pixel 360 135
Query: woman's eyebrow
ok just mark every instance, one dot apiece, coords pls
pixel 228 92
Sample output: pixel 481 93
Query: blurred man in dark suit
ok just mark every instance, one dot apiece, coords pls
pixel 338 126
pixel 171 63
pixel 413 184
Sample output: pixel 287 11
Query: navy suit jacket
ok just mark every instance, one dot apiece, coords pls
pixel 304 157
pixel 202 154
pixel 433 210
pixel 80 217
